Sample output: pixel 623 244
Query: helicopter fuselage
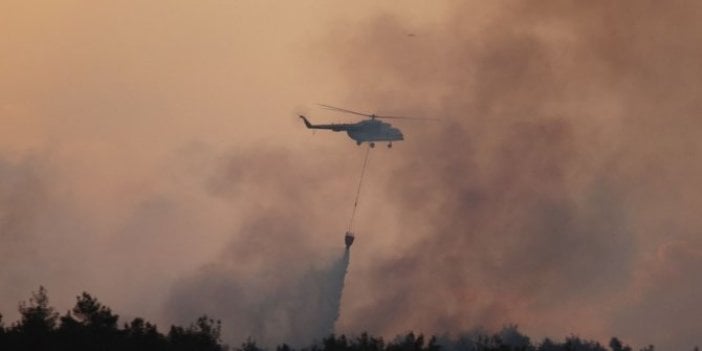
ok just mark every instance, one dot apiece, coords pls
pixel 369 130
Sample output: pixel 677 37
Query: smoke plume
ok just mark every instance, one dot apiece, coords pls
pixel 281 305
pixel 273 283
pixel 568 155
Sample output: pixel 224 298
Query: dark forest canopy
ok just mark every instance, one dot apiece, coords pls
pixel 91 325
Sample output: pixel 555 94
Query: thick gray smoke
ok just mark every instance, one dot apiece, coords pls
pixel 568 156
pixel 281 304
pixel 273 283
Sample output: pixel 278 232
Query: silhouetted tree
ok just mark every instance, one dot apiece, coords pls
pixel 617 345
pixel 334 343
pixel 92 314
pixel 203 335
pixel 364 342
pixel 548 345
pixel 37 316
pixel 490 343
pixel 511 337
pixel 89 326
pixel 142 336
pixel 574 343
pixel 37 323
pixel 411 342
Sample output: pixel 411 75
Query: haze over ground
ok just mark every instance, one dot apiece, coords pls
pixel 148 150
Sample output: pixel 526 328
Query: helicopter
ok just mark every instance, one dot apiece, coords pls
pixel 370 130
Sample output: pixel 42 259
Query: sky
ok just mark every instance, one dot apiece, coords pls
pixel 150 154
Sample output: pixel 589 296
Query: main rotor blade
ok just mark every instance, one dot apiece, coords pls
pixel 404 117
pixel 338 109
pixel 344 110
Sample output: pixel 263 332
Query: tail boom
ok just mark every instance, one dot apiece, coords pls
pixel 334 127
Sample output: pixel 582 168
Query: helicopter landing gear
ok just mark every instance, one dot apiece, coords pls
pixel 389 145
pixel 372 144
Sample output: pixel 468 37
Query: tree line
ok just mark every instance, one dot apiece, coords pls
pixel 90 325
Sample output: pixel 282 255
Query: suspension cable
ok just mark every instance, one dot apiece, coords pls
pixel 358 191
